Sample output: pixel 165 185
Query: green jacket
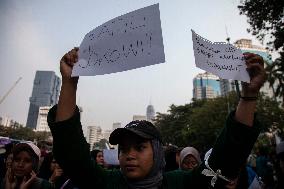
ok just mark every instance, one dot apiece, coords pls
pixel 73 154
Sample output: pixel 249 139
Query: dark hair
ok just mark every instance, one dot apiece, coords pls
pixel 24 147
pixel 94 154
pixel 44 171
pixel 170 158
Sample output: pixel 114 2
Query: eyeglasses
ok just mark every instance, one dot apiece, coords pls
pixel 189 162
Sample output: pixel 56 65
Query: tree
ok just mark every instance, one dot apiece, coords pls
pixel 199 123
pixel 101 144
pixel 207 121
pixel 266 18
pixel 23 133
pixel 173 125
pixel 270 113
pixel 275 73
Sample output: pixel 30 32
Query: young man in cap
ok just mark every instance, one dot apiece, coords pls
pixel 140 148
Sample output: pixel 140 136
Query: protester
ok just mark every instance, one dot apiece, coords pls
pixel 247 178
pixel 171 152
pixel 264 167
pixel 22 174
pixel 140 146
pixel 189 159
pixel 98 156
pixel 280 166
pixel 51 171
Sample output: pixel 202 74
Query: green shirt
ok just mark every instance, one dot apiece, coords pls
pixel 73 154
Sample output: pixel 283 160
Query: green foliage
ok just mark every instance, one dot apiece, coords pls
pixel 266 18
pixel 172 126
pixel 101 144
pixel 270 113
pixel 199 123
pixel 275 75
pixel 23 133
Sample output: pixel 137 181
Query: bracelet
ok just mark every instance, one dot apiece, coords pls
pixel 249 98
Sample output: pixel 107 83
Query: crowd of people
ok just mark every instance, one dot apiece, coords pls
pixel 33 167
pixel 144 160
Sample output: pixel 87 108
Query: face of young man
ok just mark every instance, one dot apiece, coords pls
pixel 135 157
pixel 22 164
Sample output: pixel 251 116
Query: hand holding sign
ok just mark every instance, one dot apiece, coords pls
pixel 127 42
pixel 221 59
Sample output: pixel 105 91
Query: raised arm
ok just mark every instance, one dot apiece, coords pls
pixel 67 98
pixel 237 138
pixel 70 148
pixel 247 104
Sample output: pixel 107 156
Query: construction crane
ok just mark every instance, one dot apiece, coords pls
pixel 8 92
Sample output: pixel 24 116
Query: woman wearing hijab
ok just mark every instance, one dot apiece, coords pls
pixel 189 158
pixel 140 145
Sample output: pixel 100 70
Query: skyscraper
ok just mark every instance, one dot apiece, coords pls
pixel 94 134
pixel 150 113
pixel 139 117
pixel 206 85
pixel 45 92
pixel 116 125
pixel 246 46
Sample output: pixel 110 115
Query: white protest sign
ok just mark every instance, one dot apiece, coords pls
pixel 127 42
pixel 111 156
pixel 221 59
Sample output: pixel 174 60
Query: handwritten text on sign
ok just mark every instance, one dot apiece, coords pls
pixel 221 59
pixel 127 42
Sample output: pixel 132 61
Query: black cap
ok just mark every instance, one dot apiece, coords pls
pixel 142 128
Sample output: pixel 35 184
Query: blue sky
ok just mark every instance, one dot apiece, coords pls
pixel 35 35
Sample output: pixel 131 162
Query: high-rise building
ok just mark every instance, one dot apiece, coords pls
pixel 45 92
pixel 139 117
pixel 42 119
pixel 116 125
pixel 94 134
pixel 206 85
pixel 8 122
pixel 106 134
pixel 246 46
pixel 150 113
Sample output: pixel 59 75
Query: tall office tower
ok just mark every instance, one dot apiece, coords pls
pixel 45 92
pixel 150 113
pixel 206 85
pixel 225 86
pixel 246 46
pixel 106 134
pixel 116 125
pixel 94 134
pixel 42 124
pixel 138 117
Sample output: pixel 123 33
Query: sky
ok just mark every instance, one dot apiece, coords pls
pixel 34 35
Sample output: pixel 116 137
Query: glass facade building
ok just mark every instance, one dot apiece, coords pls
pixel 150 113
pixel 246 46
pixel 46 88
pixel 206 85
